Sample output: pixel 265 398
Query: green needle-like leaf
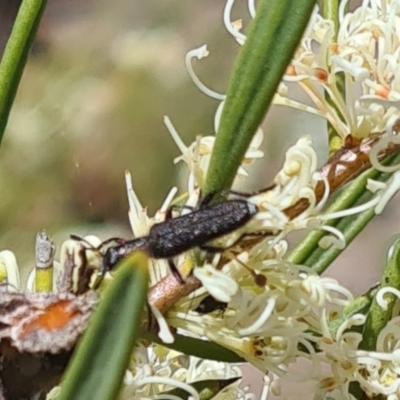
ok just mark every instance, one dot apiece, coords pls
pixel 206 389
pixel 198 348
pixel 360 305
pixel 16 54
pixel 378 317
pixel 98 365
pixel 271 42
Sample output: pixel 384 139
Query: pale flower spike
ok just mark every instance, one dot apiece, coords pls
pixel 197 156
pixel 8 262
pixel 319 58
pixel 168 381
pixel 274 312
pixel 252 311
pixel 140 222
pixel 155 370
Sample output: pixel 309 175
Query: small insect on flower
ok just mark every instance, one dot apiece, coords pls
pixel 174 236
pixel 209 304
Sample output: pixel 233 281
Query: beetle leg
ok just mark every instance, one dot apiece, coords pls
pixel 213 249
pixel 108 241
pixel 207 199
pixel 168 214
pixel 217 249
pixel 175 271
pixel 245 194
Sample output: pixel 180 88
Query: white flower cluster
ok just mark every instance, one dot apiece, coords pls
pixel 156 370
pixel 276 312
pixel 284 318
pixel 377 372
pixel 366 52
pixel 197 156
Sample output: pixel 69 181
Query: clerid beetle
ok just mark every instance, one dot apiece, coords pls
pixel 174 236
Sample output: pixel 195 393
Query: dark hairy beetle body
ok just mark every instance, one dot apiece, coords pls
pixel 176 235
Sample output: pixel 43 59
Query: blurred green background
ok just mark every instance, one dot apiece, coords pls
pixel 99 80
pixel 90 105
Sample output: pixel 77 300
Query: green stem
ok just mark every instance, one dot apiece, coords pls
pixel 330 11
pixel 16 54
pixel 320 260
pixel 344 200
pixel 309 253
pixel 272 39
pixel 350 226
